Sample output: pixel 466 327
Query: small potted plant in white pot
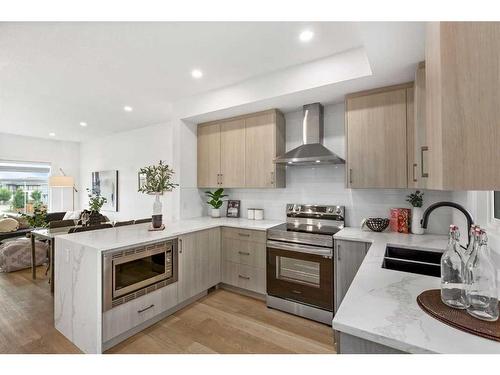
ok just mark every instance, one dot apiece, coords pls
pixel 215 201
pixel 416 200
pixel 156 180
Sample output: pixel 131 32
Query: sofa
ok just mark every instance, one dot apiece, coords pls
pixel 24 230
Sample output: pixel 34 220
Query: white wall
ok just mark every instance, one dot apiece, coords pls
pixel 127 152
pixel 60 154
pixel 325 184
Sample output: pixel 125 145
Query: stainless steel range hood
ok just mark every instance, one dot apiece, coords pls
pixel 312 150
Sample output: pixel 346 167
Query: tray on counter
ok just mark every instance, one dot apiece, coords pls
pixel 430 302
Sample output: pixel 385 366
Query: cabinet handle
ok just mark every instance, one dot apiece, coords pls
pixel 414 172
pixel 338 253
pixel 146 308
pixel 272 178
pixel 350 175
pixel 221 178
pixel 296 291
pixel 243 253
pixel 422 149
pixel 244 277
pixel 243 234
pixel 180 246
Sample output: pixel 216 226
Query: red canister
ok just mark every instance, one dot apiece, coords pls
pixel 400 220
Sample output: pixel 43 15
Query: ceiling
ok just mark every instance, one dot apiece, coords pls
pixel 55 75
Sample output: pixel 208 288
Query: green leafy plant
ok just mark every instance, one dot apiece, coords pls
pixel 416 199
pixel 18 201
pixel 39 217
pixel 216 198
pixel 36 195
pixel 5 195
pixel 95 201
pixel 156 179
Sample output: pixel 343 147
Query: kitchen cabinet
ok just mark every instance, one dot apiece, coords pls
pixel 209 149
pixel 239 152
pixel 265 140
pixel 348 256
pixel 376 122
pixel 199 262
pixel 417 129
pixel 244 259
pixel 462 105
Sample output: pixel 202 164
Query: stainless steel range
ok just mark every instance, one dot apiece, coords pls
pixel 300 261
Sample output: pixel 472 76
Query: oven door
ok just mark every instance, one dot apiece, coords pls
pixel 136 271
pixel 300 273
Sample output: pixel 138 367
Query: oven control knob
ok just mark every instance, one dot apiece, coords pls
pixel 330 210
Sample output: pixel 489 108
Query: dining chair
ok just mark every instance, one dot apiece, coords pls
pixel 123 223
pixel 93 227
pixel 141 221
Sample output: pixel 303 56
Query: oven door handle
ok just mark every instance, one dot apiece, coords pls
pixel 306 249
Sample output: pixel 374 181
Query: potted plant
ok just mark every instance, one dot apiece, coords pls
pixel 39 217
pixel 95 204
pixel 215 201
pixel 416 200
pixel 156 180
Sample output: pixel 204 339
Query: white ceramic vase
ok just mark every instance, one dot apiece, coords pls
pixel 416 217
pixel 215 212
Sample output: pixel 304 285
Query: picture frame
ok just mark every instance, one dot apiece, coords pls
pixel 105 183
pixel 233 208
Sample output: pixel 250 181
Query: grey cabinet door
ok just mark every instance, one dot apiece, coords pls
pixel 348 258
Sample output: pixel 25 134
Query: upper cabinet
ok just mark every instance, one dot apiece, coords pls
pixel 376 122
pixel 240 152
pixel 463 105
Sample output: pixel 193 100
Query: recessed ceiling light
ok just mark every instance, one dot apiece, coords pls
pixel 128 108
pixel 318 161
pixel 306 35
pixel 83 123
pixel 52 134
pixel 196 73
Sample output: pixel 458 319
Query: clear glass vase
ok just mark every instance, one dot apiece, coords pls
pixel 157 219
pixel 452 273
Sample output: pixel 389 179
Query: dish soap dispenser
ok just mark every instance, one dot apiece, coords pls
pixel 452 273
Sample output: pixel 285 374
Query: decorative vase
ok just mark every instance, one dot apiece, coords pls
pixel 416 217
pixel 215 212
pixel 157 212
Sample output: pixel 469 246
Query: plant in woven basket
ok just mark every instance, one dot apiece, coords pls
pixel 416 199
pixel 157 179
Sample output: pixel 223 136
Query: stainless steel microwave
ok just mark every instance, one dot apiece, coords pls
pixel 134 272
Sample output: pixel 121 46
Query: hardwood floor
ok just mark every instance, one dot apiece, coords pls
pixel 222 322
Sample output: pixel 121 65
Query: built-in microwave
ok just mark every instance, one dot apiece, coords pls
pixel 134 272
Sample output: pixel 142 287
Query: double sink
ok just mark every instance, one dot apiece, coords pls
pixel 421 262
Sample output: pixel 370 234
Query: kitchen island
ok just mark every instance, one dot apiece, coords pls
pixel 79 313
pixel 380 306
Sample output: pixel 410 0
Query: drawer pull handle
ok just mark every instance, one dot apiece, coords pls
pixel 243 253
pixel 244 234
pixel 244 277
pixel 414 173
pixel 296 291
pixel 422 149
pixel 145 309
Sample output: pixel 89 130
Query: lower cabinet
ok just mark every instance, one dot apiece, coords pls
pixel 199 262
pixel 244 259
pixel 348 257
pixel 132 314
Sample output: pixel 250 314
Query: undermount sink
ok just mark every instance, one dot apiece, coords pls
pixel 421 262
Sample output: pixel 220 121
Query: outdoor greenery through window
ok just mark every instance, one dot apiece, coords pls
pixel 23 185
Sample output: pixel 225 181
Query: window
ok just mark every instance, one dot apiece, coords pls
pixel 22 186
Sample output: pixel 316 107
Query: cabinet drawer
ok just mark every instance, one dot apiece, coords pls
pixel 244 234
pixel 244 276
pixel 244 252
pixel 129 315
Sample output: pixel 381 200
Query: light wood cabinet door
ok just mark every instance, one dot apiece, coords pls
pixel 232 158
pixel 199 262
pixel 376 139
pixel 348 257
pixel 209 155
pixel 463 111
pixel 260 150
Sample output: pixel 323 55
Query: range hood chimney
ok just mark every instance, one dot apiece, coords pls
pixel 312 150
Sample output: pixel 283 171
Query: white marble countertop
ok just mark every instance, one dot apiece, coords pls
pixel 381 306
pixel 114 238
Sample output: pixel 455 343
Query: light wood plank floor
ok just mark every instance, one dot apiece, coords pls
pixel 222 322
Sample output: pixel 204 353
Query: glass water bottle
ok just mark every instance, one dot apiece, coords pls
pixel 482 297
pixel 452 273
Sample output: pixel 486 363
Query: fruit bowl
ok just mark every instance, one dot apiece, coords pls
pixel 377 224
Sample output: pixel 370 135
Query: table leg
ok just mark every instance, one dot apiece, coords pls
pixel 52 264
pixel 33 257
